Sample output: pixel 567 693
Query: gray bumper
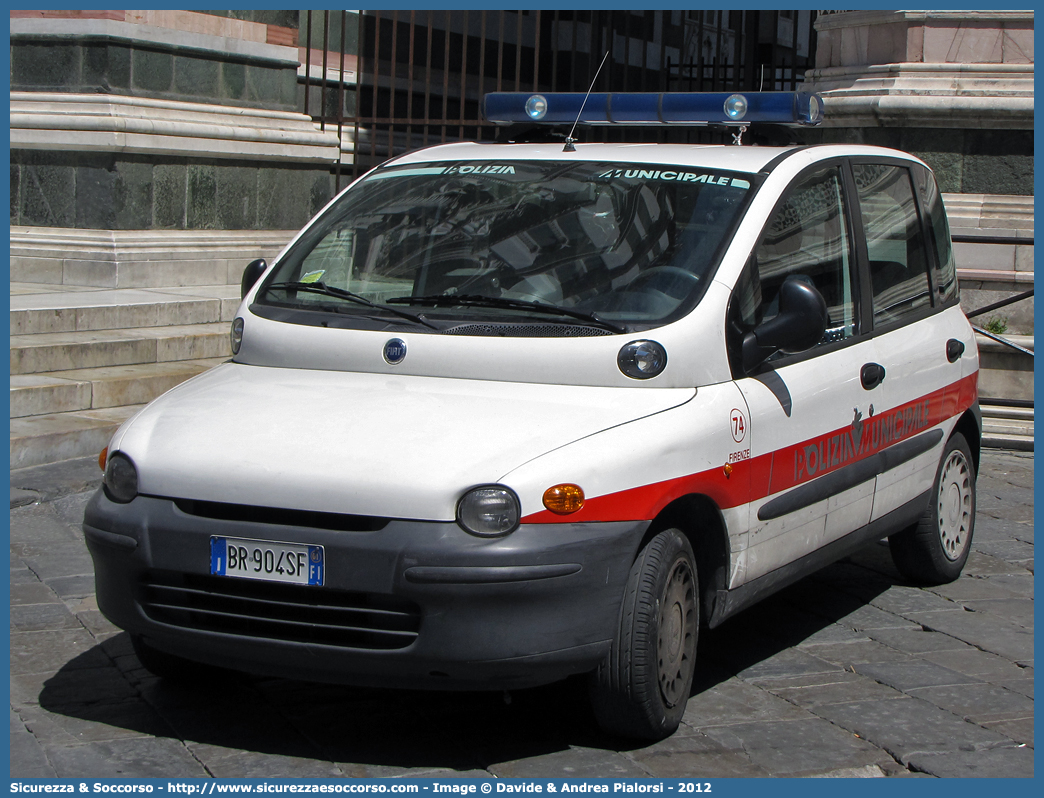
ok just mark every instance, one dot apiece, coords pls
pixel 417 604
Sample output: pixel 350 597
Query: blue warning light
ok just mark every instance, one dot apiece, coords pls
pixel 802 109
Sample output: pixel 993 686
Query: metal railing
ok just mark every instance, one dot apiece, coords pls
pixel 391 81
pixel 997 306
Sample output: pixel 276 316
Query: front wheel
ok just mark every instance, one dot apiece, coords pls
pixel 641 688
pixel 934 551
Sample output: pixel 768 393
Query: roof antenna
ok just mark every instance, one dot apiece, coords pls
pixel 569 139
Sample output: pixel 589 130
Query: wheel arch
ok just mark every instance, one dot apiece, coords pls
pixel 701 521
pixel 970 427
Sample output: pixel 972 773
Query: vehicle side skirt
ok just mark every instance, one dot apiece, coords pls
pixel 730 602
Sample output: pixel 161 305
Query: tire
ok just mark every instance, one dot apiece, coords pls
pixel 170 666
pixel 641 688
pixel 934 550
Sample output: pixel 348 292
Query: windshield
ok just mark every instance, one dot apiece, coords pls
pixel 590 247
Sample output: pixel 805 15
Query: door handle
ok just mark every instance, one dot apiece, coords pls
pixel 871 375
pixel 954 350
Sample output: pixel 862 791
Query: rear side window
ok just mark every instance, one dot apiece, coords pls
pixel 944 272
pixel 895 244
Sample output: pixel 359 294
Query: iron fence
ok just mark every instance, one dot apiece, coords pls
pixel 392 81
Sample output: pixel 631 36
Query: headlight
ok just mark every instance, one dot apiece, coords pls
pixel 488 511
pixel 641 360
pixel 236 335
pixel 121 478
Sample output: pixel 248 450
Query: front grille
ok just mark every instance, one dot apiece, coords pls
pixel 294 613
pixel 527 330
pixel 340 522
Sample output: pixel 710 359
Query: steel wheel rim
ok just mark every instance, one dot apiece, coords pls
pixel 676 636
pixel 954 508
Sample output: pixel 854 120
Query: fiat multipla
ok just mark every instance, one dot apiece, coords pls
pixel 505 413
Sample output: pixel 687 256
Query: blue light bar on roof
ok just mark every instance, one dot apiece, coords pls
pixel 669 108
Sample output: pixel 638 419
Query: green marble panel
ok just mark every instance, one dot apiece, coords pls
pixel 196 77
pixel 42 66
pixel 236 194
pixel 152 70
pixel 168 195
pixel 95 179
pixel 233 80
pixel 202 195
pixel 48 191
pixel 132 195
pixel 16 184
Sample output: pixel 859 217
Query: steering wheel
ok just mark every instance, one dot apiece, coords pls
pixel 674 271
pixel 547 291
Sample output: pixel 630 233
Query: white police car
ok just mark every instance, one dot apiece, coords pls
pixel 504 413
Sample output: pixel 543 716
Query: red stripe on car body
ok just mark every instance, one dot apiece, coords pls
pixel 782 469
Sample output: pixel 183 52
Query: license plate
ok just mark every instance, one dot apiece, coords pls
pixel 267 560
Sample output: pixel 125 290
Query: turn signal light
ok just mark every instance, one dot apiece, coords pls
pixel 103 457
pixel 564 499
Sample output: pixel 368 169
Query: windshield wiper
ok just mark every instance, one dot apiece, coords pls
pixel 339 293
pixel 477 300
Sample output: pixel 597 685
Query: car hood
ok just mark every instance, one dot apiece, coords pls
pixel 359 443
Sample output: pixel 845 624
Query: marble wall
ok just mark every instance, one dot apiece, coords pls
pixel 90 65
pixel 175 148
pixel 965 161
pixel 955 37
pixel 110 191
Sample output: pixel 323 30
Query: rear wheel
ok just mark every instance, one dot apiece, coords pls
pixel 934 550
pixel 641 688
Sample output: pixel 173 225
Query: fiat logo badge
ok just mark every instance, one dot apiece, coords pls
pixel 395 351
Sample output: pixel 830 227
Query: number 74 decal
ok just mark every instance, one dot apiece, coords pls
pixel 738 425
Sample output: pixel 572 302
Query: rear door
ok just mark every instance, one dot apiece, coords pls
pixel 906 288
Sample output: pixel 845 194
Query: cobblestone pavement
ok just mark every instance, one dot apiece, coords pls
pixel 848 673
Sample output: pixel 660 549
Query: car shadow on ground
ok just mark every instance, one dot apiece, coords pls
pixel 373 732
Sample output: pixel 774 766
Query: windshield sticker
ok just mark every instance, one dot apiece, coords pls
pixel 484 169
pixel 428 170
pixel 681 177
pixel 477 169
pixel 312 277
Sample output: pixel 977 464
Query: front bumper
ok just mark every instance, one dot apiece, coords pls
pixel 411 604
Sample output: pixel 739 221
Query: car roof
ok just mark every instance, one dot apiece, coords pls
pixel 710 156
pixel 716 156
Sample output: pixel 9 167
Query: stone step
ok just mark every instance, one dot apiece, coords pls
pixel 997 426
pixel 1020 443
pixel 138 258
pixel 94 389
pixel 64 351
pixel 53 309
pixel 63 436
pixel 1015 413
pixel 1007 427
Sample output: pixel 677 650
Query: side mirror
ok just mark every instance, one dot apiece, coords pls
pixel 251 273
pixel 798 326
